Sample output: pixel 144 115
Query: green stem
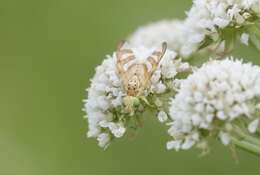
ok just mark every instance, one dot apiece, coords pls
pixel 245 145
pixel 247 137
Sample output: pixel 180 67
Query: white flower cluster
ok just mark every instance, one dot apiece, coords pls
pixel 104 106
pixel 205 19
pixel 209 14
pixel 175 32
pixel 105 93
pixel 211 99
pixel 179 35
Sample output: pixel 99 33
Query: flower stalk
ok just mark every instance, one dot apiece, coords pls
pixel 247 137
pixel 246 145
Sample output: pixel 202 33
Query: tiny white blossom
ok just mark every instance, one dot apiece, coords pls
pixel 162 116
pixel 188 143
pixel 224 137
pixel 103 140
pixel 174 144
pixel 244 38
pixel 159 88
pixel 252 127
pixel 117 129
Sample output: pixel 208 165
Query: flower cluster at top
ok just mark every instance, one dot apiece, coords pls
pixel 214 23
pixel 218 99
pixel 213 101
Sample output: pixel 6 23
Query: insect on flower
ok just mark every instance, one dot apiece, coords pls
pixel 136 76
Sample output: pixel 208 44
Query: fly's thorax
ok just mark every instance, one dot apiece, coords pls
pixel 136 80
pixel 133 86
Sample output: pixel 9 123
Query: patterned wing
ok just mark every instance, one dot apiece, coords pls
pixel 155 58
pixel 124 56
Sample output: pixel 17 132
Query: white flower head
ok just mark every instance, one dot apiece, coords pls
pixel 211 99
pixel 107 103
pixel 104 94
pixel 154 33
pixel 179 35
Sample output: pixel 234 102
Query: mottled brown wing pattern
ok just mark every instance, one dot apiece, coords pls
pixel 124 56
pixel 155 58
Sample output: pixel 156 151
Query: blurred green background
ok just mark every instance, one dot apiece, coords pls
pixel 48 52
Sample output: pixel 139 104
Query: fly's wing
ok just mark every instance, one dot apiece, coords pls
pixel 154 60
pixel 124 56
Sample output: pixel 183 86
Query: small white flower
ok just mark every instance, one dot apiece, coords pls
pixel 117 129
pixel 252 127
pixel 174 145
pixel 162 116
pixel 244 38
pixel 103 140
pixel 221 115
pixel 184 67
pixel 196 120
pixel 222 23
pixel 159 88
pixel 188 143
pixel 224 137
pixel 258 106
